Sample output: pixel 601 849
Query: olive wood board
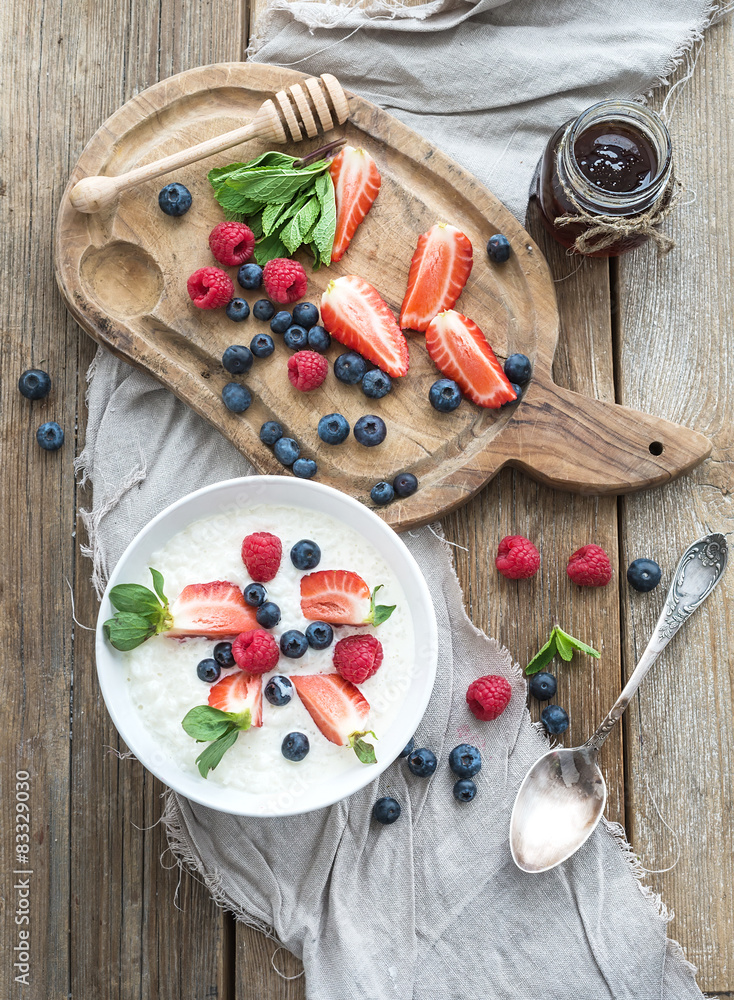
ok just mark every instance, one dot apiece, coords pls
pixel 123 271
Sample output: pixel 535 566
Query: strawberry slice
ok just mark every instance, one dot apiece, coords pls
pixel 337 706
pixel 216 610
pixel 459 349
pixel 439 270
pixel 356 185
pixel 341 597
pixel 238 692
pixel 353 312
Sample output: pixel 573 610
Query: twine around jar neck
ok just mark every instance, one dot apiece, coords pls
pixel 605 230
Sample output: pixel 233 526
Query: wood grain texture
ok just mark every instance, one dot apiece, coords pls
pixel 674 347
pixel 122 274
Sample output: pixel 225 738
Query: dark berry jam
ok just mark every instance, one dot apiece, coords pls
pixel 615 158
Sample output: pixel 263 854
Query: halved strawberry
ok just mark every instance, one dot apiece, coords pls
pixel 337 706
pixel 353 312
pixel 216 610
pixel 238 692
pixel 460 350
pixel 356 185
pixel 341 597
pixel 439 270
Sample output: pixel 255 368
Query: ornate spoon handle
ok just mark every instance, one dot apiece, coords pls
pixel 700 569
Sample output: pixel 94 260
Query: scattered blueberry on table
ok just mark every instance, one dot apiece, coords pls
pixel 208 670
pixel 542 686
pixel 386 810
pixel 305 554
pixel 422 763
pixel 237 310
pixel 281 321
pixel 286 450
pixel 293 644
pixel 50 436
pixel 444 395
pixel 223 654
pixel 350 368
pixel 236 397
pixel 376 384
pixel 278 691
pixel 518 368
pixel 174 199
pixel 370 430
pixel 262 345
pixel 263 309
pixel 318 339
pixel 34 384
pixel 333 428
pixel 268 615
pixel 295 746
pixel 319 635
pixel 296 338
pixel 305 468
pixel 555 719
pixel 305 314
pixel 382 493
pixel 465 760
pixel 250 276
pixel 405 484
pixel 464 790
pixel 255 595
pixel 498 248
pixel 237 359
pixel 408 748
pixel 270 432
pixel 644 575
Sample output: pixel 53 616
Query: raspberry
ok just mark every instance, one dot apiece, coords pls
pixel 210 288
pixel 488 697
pixel 307 370
pixel 232 243
pixel 261 554
pixel 357 657
pixel 589 566
pixel 517 558
pixel 284 280
pixel 255 651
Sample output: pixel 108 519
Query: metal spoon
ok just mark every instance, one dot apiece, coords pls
pixel 562 797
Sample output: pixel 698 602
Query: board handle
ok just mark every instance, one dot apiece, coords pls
pixel 572 442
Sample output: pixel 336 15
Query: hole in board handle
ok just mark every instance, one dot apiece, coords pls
pixel 656 448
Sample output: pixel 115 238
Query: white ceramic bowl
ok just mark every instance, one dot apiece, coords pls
pixel 242 493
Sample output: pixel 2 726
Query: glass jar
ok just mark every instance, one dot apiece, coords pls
pixel 612 162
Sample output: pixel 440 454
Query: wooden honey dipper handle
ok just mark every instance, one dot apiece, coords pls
pixel 292 115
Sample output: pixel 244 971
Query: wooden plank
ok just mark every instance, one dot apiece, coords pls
pixel 674 347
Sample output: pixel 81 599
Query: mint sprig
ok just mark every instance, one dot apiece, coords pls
pixel 379 613
pixel 562 644
pixel 141 613
pixel 364 751
pixel 220 729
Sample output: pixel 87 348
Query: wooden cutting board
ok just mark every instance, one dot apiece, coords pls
pixel 123 274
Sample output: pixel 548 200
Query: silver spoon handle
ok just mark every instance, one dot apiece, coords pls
pixel 700 569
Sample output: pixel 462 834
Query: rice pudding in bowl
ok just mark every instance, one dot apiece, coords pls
pixel 196 546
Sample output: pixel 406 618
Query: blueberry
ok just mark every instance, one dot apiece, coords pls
pixel 408 748
pixel 382 493
pixel 295 746
pixel 268 615
pixel 251 276
pixel 444 395
pixel 319 635
pixel 376 384
pixel 464 790
pixel 305 468
pixel 422 762
pixel 286 450
pixel 281 321
pixel 296 338
pixel 498 248
pixel 542 686
pixel 174 199
pixel 262 345
pixel 255 594
pixel 270 432
pixel 263 309
pixel 236 397
pixel 555 719
pixel 333 428
pixel 405 484
pixel 278 691
pixel 350 368
pixel 370 430
pixel 305 314
pixel 34 384
pixel 518 393
pixel 318 339
pixel 237 359
pixel 644 574
pixel 465 760
pixel 293 644
pixel 386 810
pixel 305 554
pixel 518 368
pixel 208 670
pixel 223 654
pixel 50 436
pixel 237 310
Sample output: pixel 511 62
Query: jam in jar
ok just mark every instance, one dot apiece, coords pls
pixel 609 167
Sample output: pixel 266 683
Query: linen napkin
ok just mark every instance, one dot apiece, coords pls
pixel 432 906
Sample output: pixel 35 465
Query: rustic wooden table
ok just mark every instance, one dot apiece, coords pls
pixel 106 918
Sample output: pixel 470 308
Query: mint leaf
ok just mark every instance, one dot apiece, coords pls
pixel 364 751
pixel 158 585
pixel 379 613
pixel 269 248
pixel 212 755
pixel 134 597
pixel 543 657
pixel 127 630
pixel 564 647
pixel 577 643
pixel 323 234
pixel 563 644
pixel 294 231
pixel 204 723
